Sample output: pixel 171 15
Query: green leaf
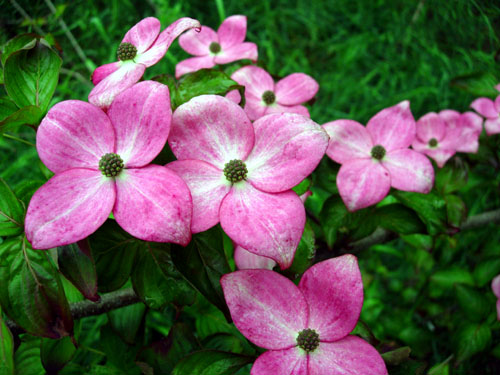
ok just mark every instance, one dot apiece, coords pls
pixel 76 264
pixel 23 41
pixel 11 212
pixel 473 303
pixel 303 187
pixel 27 358
pixel 55 354
pixel 208 362
pixel 34 296
pixel 470 339
pixel 118 353
pixel 202 263
pixel 6 349
pixel 7 108
pixel 450 178
pixel 31 75
pixel 400 219
pixel 444 280
pixel 486 270
pixel 397 356
pixel 476 83
pixel 305 253
pixel 14 117
pixel 127 320
pixel 456 210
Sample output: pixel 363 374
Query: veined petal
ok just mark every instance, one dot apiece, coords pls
pixel 348 140
pixel 74 134
pixel 295 89
pixel 462 133
pixel 256 80
pixel 473 120
pixel 288 147
pixel 106 90
pixel 194 64
pixel 211 128
pixel 232 31
pixel 241 51
pixel 431 126
pixel 393 127
pixel 278 108
pixel 266 307
pixel 492 126
pixel 254 106
pixel 69 207
pixel 440 155
pixel 291 361
pixel 198 43
pixel 362 183
pixel 485 107
pixel 265 224
pixel 141 117
pixel 351 355
pixel 103 71
pixel 208 187
pixel 143 34
pixel 153 204
pixel 244 260
pixel 497 104
pixel 334 293
pixel 410 171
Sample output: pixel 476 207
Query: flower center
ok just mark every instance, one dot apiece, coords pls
pixel 235 171
pixel 214 47
pixel 111 165
pixel 126 51
pixel 268 97
pixel 308 340
pixel 378 152
pixel 433 142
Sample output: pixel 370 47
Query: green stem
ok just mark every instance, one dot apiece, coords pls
pixel 220 9
pixel 18 139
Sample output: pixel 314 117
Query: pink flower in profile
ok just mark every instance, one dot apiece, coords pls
pixel 306 327
pixel 263 96
pixel 377 156
pixel 495 286
pixel 241 174
pixel 101 164
pixel 142 46
pixel 212 48
pixel 491 111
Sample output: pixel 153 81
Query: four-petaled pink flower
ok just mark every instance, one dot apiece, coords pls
pixel 495 286
pixel 306 327
pixel 376 157
pixel 241 174
pixel 263 96
pixel 491 111
pixel 142 46
pixel 101 164
pixel 221 47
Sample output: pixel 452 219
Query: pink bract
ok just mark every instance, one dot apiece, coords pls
pixel 149 201
pixel 263 96
pixel 211 48
pixel 495 287
pixel 259 211
pixel 490 110
pixel 151 46
pixel 376 157
pixel 274 313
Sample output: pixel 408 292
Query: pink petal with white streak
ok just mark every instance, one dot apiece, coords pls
pixel 295 89
pixel 348 140
pixel 153 204
pixel 492 126
pixel 256 80
pixel 266 307
pixel 254 106
pixel 141 117
pixel 473 120
pixel 74 134
pixel 291 361
pixel 198 43
pixel 410 171
pixel 288 147
pixel 450 116
pixel 495 286
pixel 143 34
pixel 497 104
pixel 265 224
pixel 278 108
pixel 362 183
pixel 485 107
pixel 232 31
pixel 193 64
pixel 208 187
pixel 103 71
pixel 211 128
pixel 69 207
pixel 440 155
pixel 431 126
pixel 241 51
pixel 245 260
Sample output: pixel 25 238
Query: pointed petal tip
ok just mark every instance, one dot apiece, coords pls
pixel 405 104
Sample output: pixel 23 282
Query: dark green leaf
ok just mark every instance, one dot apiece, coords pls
pixel 25 190
pixel 477 83
pixel 6 349
pixel 29 115
pixel 399 219
pixel 27 358
pixel 11 212
pixel 118 353
pixel 7 108
pixel 456 210
pixel 208 362
pixel 397 356
pixel 23 41
pixel 473 303
pixel 55 354
pixel 127 320
pixel 304 255
pixel 450 178
pixel 444 280
pixel 470 339
pixel 486 270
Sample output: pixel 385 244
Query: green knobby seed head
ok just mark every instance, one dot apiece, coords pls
pixel 126 51
pixel 433 142
pixel 268 97
pixel 378 152
pixel 111 165
pixel 235 171
pixel 214 47
pixel 308 340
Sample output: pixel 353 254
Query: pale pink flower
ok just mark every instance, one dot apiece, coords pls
pixel 241 174
pixel 263 96
pixel 142 46
pixel 212 48
pixel 466 127
pixel 306 327
pixel 491 111
pixel 377 156
pixel 101 164
pixel 495 286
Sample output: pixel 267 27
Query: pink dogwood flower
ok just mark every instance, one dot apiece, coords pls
pixel 466 128
pixel 495 286
pixel 263 96
pixel 212 48
pixel 491 111
pixel 241 174
pixel 306 327
pixel 142 46
pixel 101 164
pixel 376 157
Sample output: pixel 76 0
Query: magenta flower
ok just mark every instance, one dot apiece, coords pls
pixel 306 327
pixel 376 157
pixel 101 164
pixel 495 286
pixel 263 96
pixel 491 111
pixel 241 174
pixel 466 127
pixel 212 48
pixel 142 46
